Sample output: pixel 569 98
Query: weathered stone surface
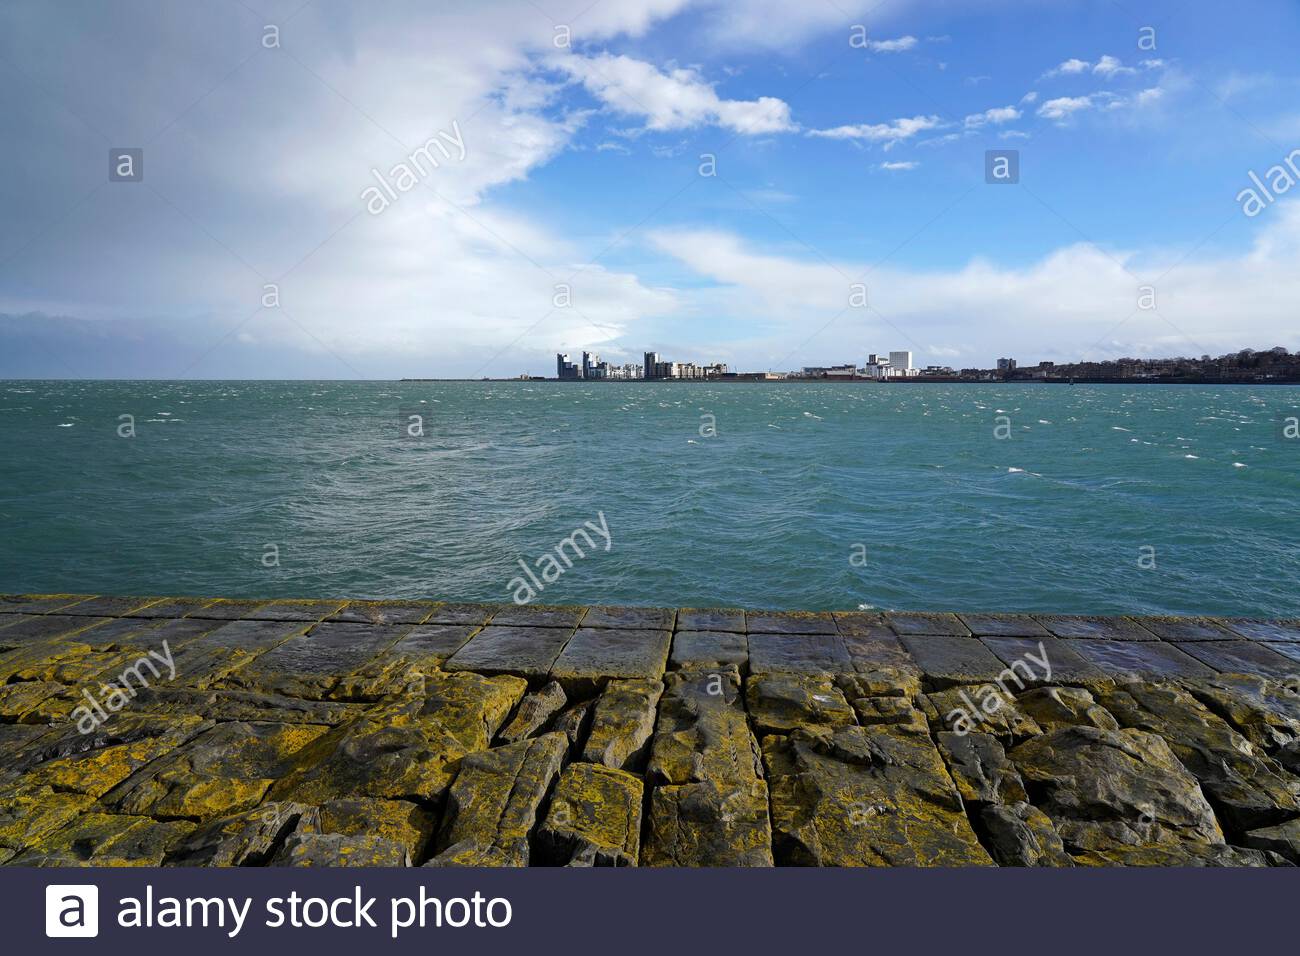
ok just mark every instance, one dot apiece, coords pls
pixel 702 735
pixel 528 651
pixel 984 708
pixel 927 624
pixel 335 849
pixel 1247 789
pixel 865 796
pixel 310 611
pixel 228 610
pixel 538 615
pixel 222 771
pixel 492 807
pixel 1134 661
pixel 1259 630
pixel 622 721
pixel 631 618
pixel 710 619
pixel 38 603
pixel 535 710
pixel 698 825
pixel 230 704
pixel 952 660
pixel 789 622
pixel 249 838
pixel 1283 839
pixel 475 615
pixel 1185 628
pixel 1109 789
pixel 1019 834
pixel 1057 707
pixel 407 824
pixel 821 654
pixel 1240 657
pixel 100 839
pixel 354 768
pixel 594 818
pixel 310 665
pixel 779 703
pixel 710 649
pixel 1004 625
pixel 1265 712
pixel 1063 662
pixel 980 768
pixel 593 655
pixel 1095 628
pixel 383 612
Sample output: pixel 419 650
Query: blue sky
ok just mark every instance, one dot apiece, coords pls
pixel 848 141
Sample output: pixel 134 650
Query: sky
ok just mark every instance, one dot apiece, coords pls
pixel 463 189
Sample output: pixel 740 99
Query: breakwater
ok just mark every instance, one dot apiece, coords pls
pixel 186 731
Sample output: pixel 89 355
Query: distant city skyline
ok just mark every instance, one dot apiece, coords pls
pixel 765 186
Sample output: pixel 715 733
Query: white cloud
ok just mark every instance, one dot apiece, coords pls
pixel 1060 305
pixel 672 100
pixel 1030 97
pixel 899 166
pixel 996 116
pixel 890 133
pixel 1070 67
pixel 900 45
pixel 1064 107
pixel 1109 66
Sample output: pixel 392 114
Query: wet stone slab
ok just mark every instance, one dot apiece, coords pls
pixel 38 603
pixel 296 611
pixel 952 660
pixel 528 651
pixel 1288 631
pixel 1243 657
pixel 383 612
pixel 474 614
pixel 594 654
pixel 789 622
pixel 1132 659
pixel 1063 661
pixel 1095 628
pixel 536 615
pixel 710 619
pixel 631 618
pixel 798 654
pixel 709 649
pixel 109 606
pixel 1186 629
pixel 930 624
pixel 1004 625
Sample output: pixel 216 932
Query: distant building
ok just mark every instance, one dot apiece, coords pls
pixel 566 370
pixel 901 363
pixel 1006 365
pixel 651 364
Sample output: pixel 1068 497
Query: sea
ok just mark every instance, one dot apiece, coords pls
pixel 1093 499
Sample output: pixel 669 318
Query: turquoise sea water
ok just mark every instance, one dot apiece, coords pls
pixel 809 496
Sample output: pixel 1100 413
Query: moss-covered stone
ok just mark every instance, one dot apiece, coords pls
pixel 594 818
pixel 622 721
pixel 101 839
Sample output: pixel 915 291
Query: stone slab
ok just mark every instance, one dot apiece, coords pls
pixel 631 618
pixel 109 606
pixel 1186 628
pixel 529 651
pixel 1065 664
pixel 1090 627
pixel 710 619
pixel 296 611
pixel 169 608
pixel 383 612
pixel 38 603
pixel 952 660
pixel 1125 659
pixel 940 625
pixel 1258 630
pixel 852 623
pixel 1243 657
pixel 709 649
pixel 34 629
pixel 475 614
pixel 538 615
pixel 228 610
pixel 596 653
pixel 798 654
pixel 790 622
pixel 1003 625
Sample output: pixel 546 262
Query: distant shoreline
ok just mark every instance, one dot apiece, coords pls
pixel 917 380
